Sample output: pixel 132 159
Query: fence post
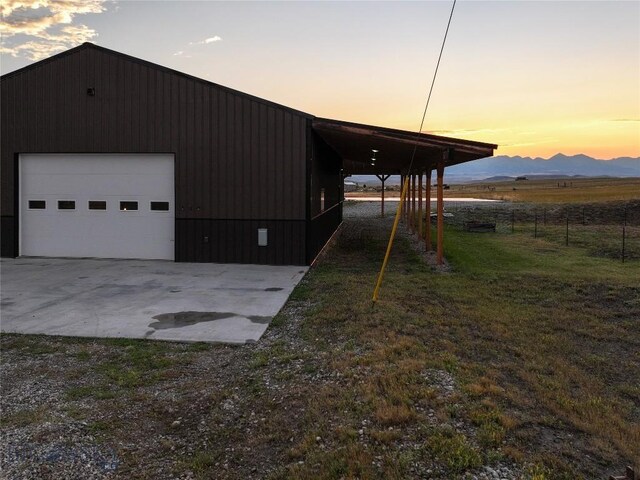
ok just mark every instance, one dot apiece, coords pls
pixel 513 219
pixel 535 224
pixel 567 234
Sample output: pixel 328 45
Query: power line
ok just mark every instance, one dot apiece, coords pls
pixel 433 82
pixel 415 148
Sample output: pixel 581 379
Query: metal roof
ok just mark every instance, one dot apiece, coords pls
pixel 355 143
pixel 352 141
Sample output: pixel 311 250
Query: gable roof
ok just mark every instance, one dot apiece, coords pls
pixel 92 46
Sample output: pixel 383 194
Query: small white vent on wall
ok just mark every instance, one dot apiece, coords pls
pixel 262 237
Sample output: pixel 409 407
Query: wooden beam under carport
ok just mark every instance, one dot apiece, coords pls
pixel 382 178
pixel 427 207
pixel 440 213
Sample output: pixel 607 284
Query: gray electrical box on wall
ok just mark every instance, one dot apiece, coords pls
pixel 262 237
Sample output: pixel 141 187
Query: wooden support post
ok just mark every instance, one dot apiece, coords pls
pixel 420 206
pixel 401 186
pixel 411 188
pixel 382 199
pixel 382 178
pixel 406 201
pixel 409 202
pixel 440 240
pixel 427 233
pixel 413 203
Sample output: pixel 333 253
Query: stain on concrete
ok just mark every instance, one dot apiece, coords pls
pixel 272 289
pixel 184 319
pixel 6 303
pixel 259 319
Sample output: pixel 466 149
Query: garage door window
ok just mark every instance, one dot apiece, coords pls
pixel 37 205
pixel 160 206
pixel 127 206
pixel 97 205
pixel 66 204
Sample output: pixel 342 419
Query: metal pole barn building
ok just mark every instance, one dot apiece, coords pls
pixel 106 155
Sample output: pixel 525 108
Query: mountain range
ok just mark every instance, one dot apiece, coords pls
pixel 558 165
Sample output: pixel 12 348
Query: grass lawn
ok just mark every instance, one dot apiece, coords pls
pixel 544 341
pixel 524 357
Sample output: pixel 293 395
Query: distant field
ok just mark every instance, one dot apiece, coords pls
pixel 542 191
pixel 552 191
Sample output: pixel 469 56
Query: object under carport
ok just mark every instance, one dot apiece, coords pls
pixel 479 227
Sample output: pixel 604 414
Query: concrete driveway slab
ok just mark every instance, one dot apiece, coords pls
pixel 142 298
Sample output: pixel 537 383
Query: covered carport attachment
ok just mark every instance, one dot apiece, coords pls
pixel 371 150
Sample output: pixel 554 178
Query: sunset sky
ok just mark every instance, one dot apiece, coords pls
pixel 537 78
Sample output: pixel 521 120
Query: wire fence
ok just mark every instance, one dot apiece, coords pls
pixel 610 230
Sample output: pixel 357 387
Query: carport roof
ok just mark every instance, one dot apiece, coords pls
pixel 354 142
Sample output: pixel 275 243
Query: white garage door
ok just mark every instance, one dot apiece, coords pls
pixel 94 205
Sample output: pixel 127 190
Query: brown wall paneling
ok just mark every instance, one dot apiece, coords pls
pixel 237 157
pixel 321 228
pixel 280 251
pixel 326 174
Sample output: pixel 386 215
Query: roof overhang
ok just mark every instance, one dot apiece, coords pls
pixel 354 142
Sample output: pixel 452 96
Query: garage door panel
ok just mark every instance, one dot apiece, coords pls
pixel 89 185
pixel 85 232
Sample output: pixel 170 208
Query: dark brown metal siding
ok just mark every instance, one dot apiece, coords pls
pixel 326 175
pixel 238 159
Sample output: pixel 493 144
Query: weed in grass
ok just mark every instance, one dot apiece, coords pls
pixel 199 347
pixel 454 451
pixel 255 387
pixel 387 414
pixel 201 462
pixel 83 355
pixel 310 368
pixel 23 418
pixel 278 321
pixel 100 426
pixel 483 386
pixel 76 393
pixel 122 377
pixel 301 292
pixel 513 453
pixel 490 435
pixel 385 437
pixel 76 413
pixel 103 393
pixel 353 461
pixel 260 359
pixel 538 472
pixel 30 344
pixel 345 434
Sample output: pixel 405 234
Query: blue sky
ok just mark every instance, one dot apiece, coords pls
pixel 535 77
